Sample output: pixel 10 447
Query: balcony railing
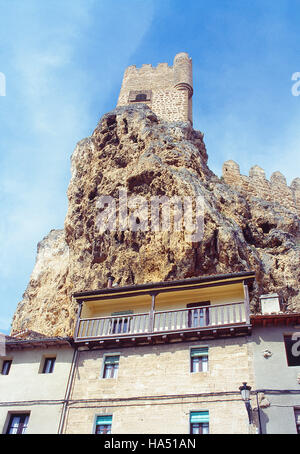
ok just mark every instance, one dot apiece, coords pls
pixel 160 322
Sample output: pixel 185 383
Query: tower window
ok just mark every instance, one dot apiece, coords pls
pixel 139 95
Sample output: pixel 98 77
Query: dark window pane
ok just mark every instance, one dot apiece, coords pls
pixel 111 366
pixel 6 367
pixel 200 428
pixel 297 418
pixel 103 429
pixel 18 423
pixel 141 97
pixel 48 365
pixel 199 364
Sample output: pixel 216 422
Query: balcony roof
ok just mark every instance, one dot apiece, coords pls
pixel 275 319
pixel 219 279
pixel 44 342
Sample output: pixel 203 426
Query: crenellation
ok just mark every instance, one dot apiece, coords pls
pixel 295 187
pixel 163 66
pixel 146 67
pixel 257 172
pixel 278 178
pixel 130 69
pixel 257 185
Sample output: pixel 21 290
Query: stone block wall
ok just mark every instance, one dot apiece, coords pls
pixel 154 391
pixel 257 185
pixel 171 88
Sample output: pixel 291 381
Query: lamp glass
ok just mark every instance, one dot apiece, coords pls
pixel 245 391
pixel 245 394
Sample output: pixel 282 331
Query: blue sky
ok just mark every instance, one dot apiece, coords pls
pixel 63 61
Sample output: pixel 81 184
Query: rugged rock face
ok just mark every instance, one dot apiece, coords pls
pixel 46 303
pixel 132 152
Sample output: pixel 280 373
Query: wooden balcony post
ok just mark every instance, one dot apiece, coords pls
pixel 78 319
pixel 247 303
pixel 152 311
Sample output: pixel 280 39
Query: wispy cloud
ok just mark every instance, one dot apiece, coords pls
pixel 64 61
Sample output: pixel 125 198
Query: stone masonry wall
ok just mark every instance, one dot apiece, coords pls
pixel 171 88
pixel 149 376
pixel 256 185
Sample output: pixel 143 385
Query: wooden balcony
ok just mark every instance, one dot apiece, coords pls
pixel 156 326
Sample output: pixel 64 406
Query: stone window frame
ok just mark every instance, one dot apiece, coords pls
pixel 134 93
pixel 104 364
pixel 195 347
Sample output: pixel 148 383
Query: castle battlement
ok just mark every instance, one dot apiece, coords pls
pixel 161 67
pixel 167 90
pixel 257 185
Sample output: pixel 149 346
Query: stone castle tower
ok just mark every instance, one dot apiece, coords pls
pixel 167 90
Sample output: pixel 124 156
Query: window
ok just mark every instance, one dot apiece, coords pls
pixel 292 349
pixel 111 366
pixel 6 366
pixel 297 418
pixel 141 97
pixel 199 422
pixel 199 315
pixel 103 424
pixel 18 423
pixel 48 365
pixel 199 359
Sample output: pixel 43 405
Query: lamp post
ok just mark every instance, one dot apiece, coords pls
pixel 245 393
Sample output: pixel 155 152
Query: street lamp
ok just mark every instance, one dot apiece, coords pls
pixel 245 393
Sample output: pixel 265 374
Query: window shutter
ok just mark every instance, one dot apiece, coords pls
pixel 112 359
pixel 122 313
pixel 199 416
pixel 103 420
pixel 203 351
pixel 197 305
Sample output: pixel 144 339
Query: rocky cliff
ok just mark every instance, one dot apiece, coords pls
pixel 132 152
